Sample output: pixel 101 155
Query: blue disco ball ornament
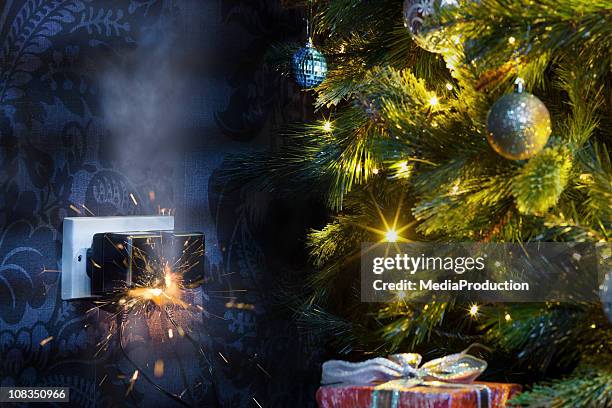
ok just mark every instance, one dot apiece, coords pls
pixel 309 66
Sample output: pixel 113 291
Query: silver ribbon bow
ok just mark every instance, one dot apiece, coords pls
pixel 404 370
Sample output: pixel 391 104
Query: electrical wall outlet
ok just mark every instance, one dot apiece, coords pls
pixel 78 238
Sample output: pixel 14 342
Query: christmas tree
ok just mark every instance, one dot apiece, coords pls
pixel 415 143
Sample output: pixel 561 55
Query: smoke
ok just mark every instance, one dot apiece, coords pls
pixel 144 103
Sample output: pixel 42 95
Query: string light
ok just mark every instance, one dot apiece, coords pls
pixel 327 126
pixel 391 231
pixel 449 86
pixel 474 310
pixel 401 169
pixel 511 40
pixel 374 171
pixel 391 235
pixel 433 101
pixel 508 317
pixel 455 188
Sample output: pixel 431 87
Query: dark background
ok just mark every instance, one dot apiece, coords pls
pixel 103 98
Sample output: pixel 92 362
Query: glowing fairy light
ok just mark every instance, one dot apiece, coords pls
pixel 433 101
pixel 401 169
pixel 508 317
pixel 327 126
pixel 375 171
pixel 391 235
pixel 511 40
pixel 391 230
pixel 474 310
pixel 449 86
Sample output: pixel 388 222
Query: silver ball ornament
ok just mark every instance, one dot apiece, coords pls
pixel 518 125
pixel 309 66
pixel 416 13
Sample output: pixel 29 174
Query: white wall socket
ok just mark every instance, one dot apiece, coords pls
pixel 78 238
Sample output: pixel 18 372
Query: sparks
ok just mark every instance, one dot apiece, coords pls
pixel 264 371
pixel 45 341
pixel 76 210
pixel 132 381
pixel 88 210
pixel 170 333
pixel 158 368
pixel 258 404
pixel 223 357
pixel 133 199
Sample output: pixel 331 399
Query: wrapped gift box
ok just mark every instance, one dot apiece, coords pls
pixel 478 395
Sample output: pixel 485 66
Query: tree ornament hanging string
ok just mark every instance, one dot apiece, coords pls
pixel 308 23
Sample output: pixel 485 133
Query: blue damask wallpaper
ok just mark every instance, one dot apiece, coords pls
pixel 112 107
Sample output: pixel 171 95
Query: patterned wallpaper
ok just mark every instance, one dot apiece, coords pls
pixel 104 99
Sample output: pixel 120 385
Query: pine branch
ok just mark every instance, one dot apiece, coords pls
pixel 590 386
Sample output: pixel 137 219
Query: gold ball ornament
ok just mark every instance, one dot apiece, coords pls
pixel 418 13
pixel 518 125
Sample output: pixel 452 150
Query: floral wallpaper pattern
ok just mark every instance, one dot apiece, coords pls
pixel 73 106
